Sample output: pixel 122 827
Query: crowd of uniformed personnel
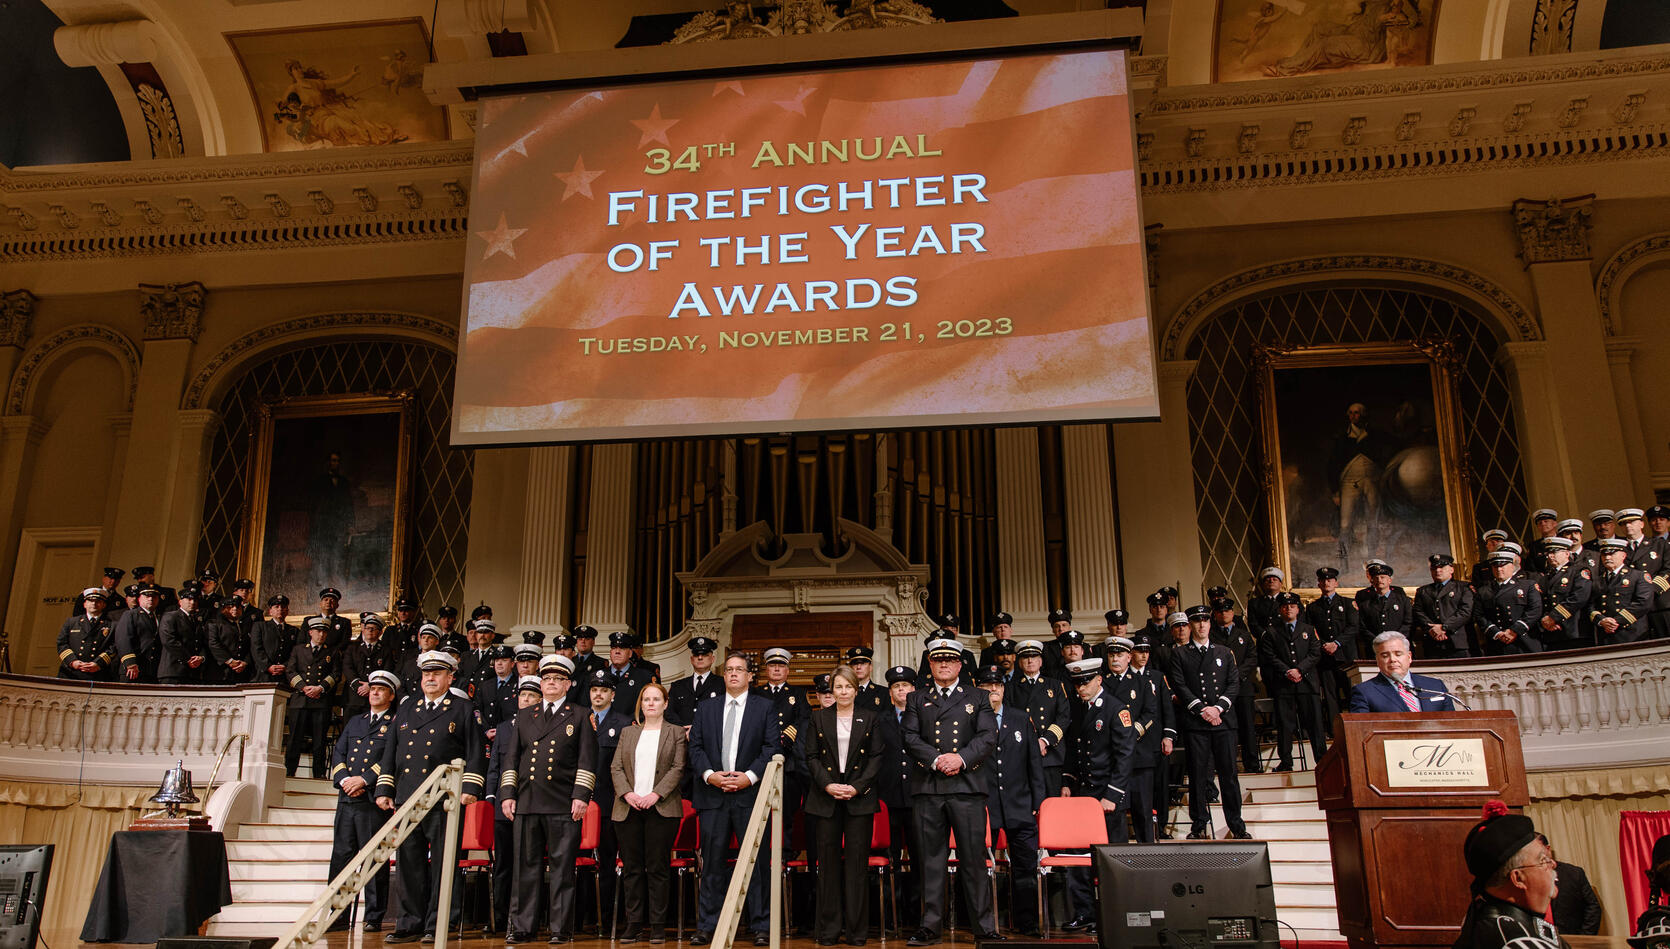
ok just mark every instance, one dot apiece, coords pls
pixel 1128 720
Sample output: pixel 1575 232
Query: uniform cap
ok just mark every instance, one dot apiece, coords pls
pixel 456 641
pixel 560 665
pixel 1156 598
pixel 1272 572
pixel 1569 524
pixel 385 678
pixel 1083 670
pixel 1288 599
pixel 1613 543
pixel 486 626
pixel 243 583
pixel 561 641
pixel 480 611
pixel 1495 533
pixel 1116 617
pixel 447 612
pixel 701 645
pixel 901 674
pixel 115 573
pixel 500 651
pixel 318 622
pixel 600 678
pixel 1658 510
pixel 1119 644
pixel 529 684
pixel 1177 619
pixel 1440 560
pixel 1060 616
pixel 937 649
pixel 1545 513
pixel 820 683
pixel 1558 543
pixel 93 593
pixel 1493 841
pixel 435 659
pixel 989 675
pixel 371 619
pixel 534 637
pixel 188 591
pixel 1217 593
pixel 1141 644
pixel 861 654
pixel 1001 619
pixel 1070 637
pixel 1327 573
pixel 1501 556
pixel 777 654
pixel 1513 547
pixel 132 589
pixel 1003 647
pixel 620 640
pixel 405 603
pixel 1198 612
pixel 528 652
pixel 1630 514
pixel 1604 514
pixel 1226 605
pixel 330 591
pixel 143 571
pixel 584 632
pixel 950 621
pixel 155 590
pixel 429 629
pixel 1029 647
pixel 1379 568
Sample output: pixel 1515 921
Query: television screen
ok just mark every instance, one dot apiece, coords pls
pixel 933 243
pixel 23 873
pixel 1193 896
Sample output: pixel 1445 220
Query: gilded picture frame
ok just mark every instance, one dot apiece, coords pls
pixel 328 498
pixel 1363 459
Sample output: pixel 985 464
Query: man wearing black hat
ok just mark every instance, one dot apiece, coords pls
pixel 495 696
pixel 639 660
pixel 1070 646
pixel 1014 791
pixel 1104 746
pixel 138 637
pixel 359 753
pixel 608 725
pixel 1262 610
pixel 629 678
pixel 228 646
pixel 402 633
pixel 1226 631
pixel 1508 610
pixel 948 626
pixel 1658 530
pixel 1546 523
pixel 271 640
pixel 1381 606
pixel 1335 620
pixel 1513 884
pixel 86 645
pixel 950 736
pixel 1060 622
pixel 1442 611
pixel 1048 703
pixel 1148 771
pixel 1567 589
pixel 897 770
pixel 446 618
pixel 1623 596
pixel 361 657
pixel 1154 631
pixel 430 730
pixel 312 673
pixel 185 650
pixel 1002 627
pixel 528 694
pixel 340 628
pixel 114 605
pixel 585 653
pixel 870 696
pixel 1204 679
pixel 1290 651
pixel 684 695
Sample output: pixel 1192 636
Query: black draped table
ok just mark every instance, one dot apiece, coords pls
pixel 157 884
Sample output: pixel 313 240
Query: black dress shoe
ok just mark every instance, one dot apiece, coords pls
pixel 657 937
pixel 630 936
pixel 376 927
pixel 428 939
pixel 1283 768
pixel 700 938
pixel 400 936
pixel 1199 835
pixel 342 925
pixel 923 937
pixel 762 939
pixel 1240 835
pixel 1078 922
pixel 560 939
pixel 513 938
pixel 828 942
pixel 993 936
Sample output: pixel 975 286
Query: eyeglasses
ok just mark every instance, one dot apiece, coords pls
pixel 1546 861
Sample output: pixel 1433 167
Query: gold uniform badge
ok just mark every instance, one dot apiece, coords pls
pixel 570 729
pixel 451 727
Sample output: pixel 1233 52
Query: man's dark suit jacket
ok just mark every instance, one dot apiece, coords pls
pixel 1379 695
pixel 757 741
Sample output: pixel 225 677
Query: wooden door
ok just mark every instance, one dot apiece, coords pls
pixel 819 641
pixel 53 567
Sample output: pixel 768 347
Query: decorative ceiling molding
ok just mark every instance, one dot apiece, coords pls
pixel 739 20
pixel 1514 319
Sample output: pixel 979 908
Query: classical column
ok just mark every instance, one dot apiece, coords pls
pixel 20 435
pixel 173 317
pixel 1554 241
pixel 545 537
pixel 177 555
pixel 1092 534
pixel 1020 528
pixel 609 539
pixel 1619 351
pixel 121 426
pixel 1154 468
pixel 17 317
pixel 1542 443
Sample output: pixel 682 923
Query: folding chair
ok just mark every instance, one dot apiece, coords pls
pixel 881 838
pixel 687 845
pixel 951 868
pixel 1066 823
pixel 476 835
pixel 591 831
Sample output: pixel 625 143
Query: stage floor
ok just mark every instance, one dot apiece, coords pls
pixel 70 939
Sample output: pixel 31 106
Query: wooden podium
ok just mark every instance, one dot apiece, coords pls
pixel 1401 790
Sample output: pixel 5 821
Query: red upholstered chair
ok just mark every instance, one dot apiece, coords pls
pixel 1066 823
pixel 585 860
pixel 991 875
pixel 881 838
pixel 687 843
pixel 475 833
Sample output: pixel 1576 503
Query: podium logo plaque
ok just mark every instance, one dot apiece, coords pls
pixel 1435 763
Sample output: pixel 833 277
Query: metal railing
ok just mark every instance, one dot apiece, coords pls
pixel 444 787
pixel 768 808
pixel 242 738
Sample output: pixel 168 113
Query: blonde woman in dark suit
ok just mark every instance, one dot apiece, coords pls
pixel 843 753
pixel 648 773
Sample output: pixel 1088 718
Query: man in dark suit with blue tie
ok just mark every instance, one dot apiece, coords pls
pixel 731 740
pixel 1396 689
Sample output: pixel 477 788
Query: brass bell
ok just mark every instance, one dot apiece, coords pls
pixel 175 790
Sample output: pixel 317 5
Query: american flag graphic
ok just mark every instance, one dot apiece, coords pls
pixel 1057 256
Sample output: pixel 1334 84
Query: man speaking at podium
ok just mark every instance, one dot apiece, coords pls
pixel 1396 689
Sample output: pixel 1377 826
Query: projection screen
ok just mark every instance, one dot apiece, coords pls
pixel 929 244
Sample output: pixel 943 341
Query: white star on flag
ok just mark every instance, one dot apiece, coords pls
pixel 798 103
pixel 499 239
pixel 733 85
pixel 579 180
pixel 654 128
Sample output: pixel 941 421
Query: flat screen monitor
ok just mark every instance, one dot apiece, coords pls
pixel 1196 896
pixel 23 873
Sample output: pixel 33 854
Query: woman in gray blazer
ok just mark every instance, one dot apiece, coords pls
pixel 648 773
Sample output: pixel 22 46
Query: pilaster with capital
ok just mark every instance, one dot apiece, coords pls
pixel 1542 444
pixel 1023 581
pixel 1620 350
pixel 545 536
pixel 609 539
pixel 1154 469
pixel 1554 243
pixel 1092 532
pixel 183 517
pixel 17 323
